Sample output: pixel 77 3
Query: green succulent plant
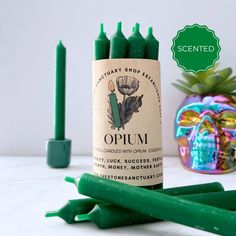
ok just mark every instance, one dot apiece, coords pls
pixel 212 81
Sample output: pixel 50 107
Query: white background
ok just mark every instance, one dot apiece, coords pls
pixel 29 32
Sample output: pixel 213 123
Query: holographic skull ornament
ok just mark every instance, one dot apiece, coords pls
pixel 205 129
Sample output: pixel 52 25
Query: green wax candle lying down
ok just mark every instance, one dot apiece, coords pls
pixel 73 208
pixel 159 205
pixel 82 206
pixel 106 215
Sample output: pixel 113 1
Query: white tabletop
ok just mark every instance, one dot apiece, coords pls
pixel 29 188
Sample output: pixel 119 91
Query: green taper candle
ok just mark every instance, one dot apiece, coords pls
pixel 136 44
pixel 118 43
pixel 106 215
pixel 101 45
pixel 82 206
pixel 59 148
pixel 152 46
pixel 60 90
pixel 159 205
pixel 73 208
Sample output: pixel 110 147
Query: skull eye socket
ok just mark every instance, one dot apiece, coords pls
pixel 227 120
pixel 189 118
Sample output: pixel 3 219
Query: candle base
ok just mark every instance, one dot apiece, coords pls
pixel 58 153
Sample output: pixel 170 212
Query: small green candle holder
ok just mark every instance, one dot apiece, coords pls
pixel 58 153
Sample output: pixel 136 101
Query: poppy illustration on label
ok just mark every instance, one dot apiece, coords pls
pixel 120 113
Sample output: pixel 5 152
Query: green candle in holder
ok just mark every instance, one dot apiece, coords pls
pixel 59 148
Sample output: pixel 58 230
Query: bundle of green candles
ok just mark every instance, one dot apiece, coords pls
pixel 134 90
pixel 112 204
pixel 120 47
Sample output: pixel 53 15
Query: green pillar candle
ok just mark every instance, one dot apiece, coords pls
pixel 152 46
pixel 118 43
pixel 82 206
pixel 114 105
pixel 136 44
pixel 106 215
pixel 73 208
pixel 159 205
pixel 101 45
pixel 60 90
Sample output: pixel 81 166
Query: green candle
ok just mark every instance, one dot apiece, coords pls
pixel 114 105
pixel 83 206
pixel 136 44
pixel 73 208
pixel 159 205
pixel 106 215
pixel 152 46
pixel 101 45
pixel 60 90
pixel 118 43
pixel 59 148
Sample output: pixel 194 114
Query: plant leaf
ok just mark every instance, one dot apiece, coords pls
pixel 190 78
pixel 203 74
pixel 225 72
pixel 231 79
pixel 226 89
pixel 131 105
pixel 214 80
pixel 200 89
pixel 184 84
pixel 182 89
pixel 226 85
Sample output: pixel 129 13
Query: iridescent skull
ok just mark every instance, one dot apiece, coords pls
pixel 205 129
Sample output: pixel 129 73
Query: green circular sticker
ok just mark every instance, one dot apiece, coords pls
pixel 195 48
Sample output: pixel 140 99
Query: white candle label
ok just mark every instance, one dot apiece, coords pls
pixel 127 144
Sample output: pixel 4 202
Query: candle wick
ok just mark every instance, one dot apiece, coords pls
pixel 70 179
pixel 101 28
pixel 136 27
pixel 52 213
pixel 119 26
pixel 150 30
pixel 82 217
pixel 60 44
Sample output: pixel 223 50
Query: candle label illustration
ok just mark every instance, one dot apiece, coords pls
pixel 121 113
pixel 127 145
